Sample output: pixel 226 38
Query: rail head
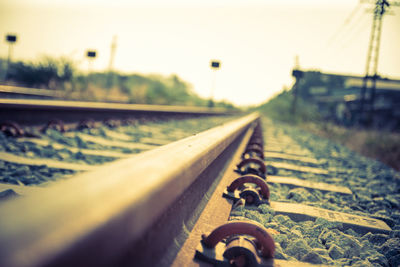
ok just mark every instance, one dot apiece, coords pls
pixel 34 112
pixel 105 209
pixel 36 104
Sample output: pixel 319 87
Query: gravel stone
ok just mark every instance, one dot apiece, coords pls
pixel 327 236
pixel 325 224
pixel 394 260
pixel 390 248
pixel 321 251
pixel 312 257
pixel 335 252
pixel 314 243
pixel 256 216
pixel 300 195
pixel 298 248
pixel 266 209
pixel 279 254
pixel 395 233
pixel 7 194
pixel 362 263
pixel 282 240
pixel 378 260
pixel 16 174
pixel 351 232
pixel 284 220
pixel 394 200
pixel 378 239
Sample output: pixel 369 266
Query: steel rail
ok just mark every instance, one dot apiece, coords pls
pixel 215 213
pixel 33 111
pixel 16 91
pixel 89 219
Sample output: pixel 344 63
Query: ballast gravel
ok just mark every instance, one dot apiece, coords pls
pixel 376 193
pixel 30 175
pixel 17 174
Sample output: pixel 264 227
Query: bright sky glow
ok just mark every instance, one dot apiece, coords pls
pixel 256 41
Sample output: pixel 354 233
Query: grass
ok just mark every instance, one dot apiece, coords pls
pixel 380 145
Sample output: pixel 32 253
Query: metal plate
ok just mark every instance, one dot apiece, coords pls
pixel 293 167
pixel 295 182
pixel 299 153
pixel 293 157
pixel 300 212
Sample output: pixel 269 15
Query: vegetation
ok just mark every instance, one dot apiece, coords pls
pixel 280 108
pixel 61 75
pixel 381 145
pixel 373 143
pixel 48 73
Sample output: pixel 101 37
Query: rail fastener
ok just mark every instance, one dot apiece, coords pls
pixel 253 152
pixel 253 166
pixel 253 189
pixel 240 249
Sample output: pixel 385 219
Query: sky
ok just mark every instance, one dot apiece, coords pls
pixel 255 41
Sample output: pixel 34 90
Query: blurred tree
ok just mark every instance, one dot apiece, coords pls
pixel 61 74
pixel 279 108
pixel 48 73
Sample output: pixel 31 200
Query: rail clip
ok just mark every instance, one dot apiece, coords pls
pixel 253 189
pixel 245 244
pixel 252 166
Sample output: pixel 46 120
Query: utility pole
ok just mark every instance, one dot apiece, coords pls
pixel 110 65
pixel 91 55
pixel 11 40
pixel 215 65
pixel 298 74
pixel 371 68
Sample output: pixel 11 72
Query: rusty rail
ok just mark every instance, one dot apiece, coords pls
pixel 36 112
pixel 95 217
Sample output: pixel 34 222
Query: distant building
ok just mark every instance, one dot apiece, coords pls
pixel 338 97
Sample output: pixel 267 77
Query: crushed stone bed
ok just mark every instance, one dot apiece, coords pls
pixel 376 194
pixel 71 147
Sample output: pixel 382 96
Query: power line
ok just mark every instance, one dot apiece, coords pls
pixel 346 22
pixel 361 27
pixel 371 68
pixel 358 26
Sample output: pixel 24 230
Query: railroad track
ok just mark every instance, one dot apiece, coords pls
pixel 8 91
pixel 241 193
pixel 66 137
